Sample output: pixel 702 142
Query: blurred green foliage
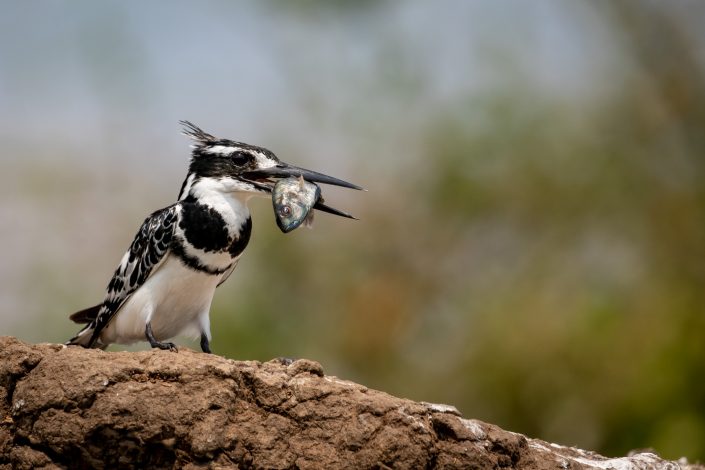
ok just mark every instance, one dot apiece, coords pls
pixel 541 267
pixel 535 259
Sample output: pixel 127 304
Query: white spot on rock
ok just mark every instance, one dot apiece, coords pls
pixel 336 380
pixel 475 428
pixel 416 423
pixel 440 408
pixel 633 462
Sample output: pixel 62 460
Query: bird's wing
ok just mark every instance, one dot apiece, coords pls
pixel 144 257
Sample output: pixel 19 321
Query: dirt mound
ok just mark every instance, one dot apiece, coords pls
pixel 77 408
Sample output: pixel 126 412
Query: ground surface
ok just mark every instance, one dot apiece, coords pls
pixel 76 408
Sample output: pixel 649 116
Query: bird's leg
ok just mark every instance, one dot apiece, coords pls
pixel 205 345
pixel 157 344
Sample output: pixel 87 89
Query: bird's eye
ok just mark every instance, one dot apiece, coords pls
pixel 240 158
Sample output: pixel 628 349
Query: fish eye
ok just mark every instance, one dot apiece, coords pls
pixel 285 211
pixel 240 158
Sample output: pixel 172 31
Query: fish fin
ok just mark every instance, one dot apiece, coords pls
pixel 308 221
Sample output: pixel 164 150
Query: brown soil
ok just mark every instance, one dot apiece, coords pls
pixel 75 408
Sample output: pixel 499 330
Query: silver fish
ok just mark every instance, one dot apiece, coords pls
pixel 293 200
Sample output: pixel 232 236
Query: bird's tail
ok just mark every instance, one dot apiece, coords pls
pixel 84 337
pixel 86 315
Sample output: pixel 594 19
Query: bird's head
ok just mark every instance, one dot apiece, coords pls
pixel 237 167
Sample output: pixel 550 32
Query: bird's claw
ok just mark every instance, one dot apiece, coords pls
pixel 158 344
pixel 169 346
pixel 165 346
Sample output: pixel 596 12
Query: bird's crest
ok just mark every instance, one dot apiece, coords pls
pixel 200 136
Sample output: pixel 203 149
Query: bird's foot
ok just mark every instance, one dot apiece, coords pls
pixel 158 344
pixel 165 345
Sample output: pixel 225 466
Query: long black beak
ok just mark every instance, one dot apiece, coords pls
pixel 284 170
pixel 332 210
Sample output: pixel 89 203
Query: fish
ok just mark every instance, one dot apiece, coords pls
pixel 293 200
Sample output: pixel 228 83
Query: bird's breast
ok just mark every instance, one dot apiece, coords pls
pixel 172 299
pixel 211 230
pixel 209 238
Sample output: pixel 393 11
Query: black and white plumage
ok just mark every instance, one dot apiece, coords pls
pixel 165 282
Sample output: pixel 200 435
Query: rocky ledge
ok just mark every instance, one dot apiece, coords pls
pixel 68 407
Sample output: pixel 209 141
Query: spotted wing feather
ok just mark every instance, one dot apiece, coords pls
pixel 146 253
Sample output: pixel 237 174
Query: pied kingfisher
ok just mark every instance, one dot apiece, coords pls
pixel 165 282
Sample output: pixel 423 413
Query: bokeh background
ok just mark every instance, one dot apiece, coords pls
pixel 532 245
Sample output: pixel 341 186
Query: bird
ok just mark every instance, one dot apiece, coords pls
pixel 165 282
